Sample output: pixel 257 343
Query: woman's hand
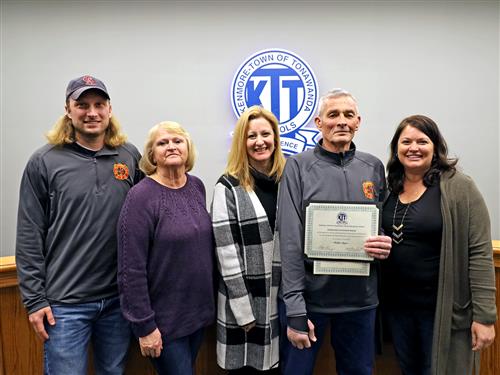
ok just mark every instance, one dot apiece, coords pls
pixel 482 335
pixel 378 247
pixel 151 345
pixel 249 326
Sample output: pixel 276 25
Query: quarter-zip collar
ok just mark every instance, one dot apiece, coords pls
pixel 338 158
pixel 105 151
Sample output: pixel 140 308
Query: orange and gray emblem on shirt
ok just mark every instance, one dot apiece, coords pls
pixel 120 171
pixel 369 189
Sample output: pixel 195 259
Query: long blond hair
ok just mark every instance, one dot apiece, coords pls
pixel 63 132
pixel 238 164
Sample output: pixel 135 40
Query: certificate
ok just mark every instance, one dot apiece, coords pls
pixel 328 267
pixel 339 230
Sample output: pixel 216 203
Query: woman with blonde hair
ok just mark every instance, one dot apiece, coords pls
pixel 243 219
pixel 165 254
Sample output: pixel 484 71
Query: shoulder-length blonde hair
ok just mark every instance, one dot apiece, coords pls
pixel 238 164
pixel 147 163
pixel 63 132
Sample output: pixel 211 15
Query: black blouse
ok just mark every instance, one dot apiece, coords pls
pixel 410 274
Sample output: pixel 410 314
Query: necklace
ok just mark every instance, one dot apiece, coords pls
pixel 397 231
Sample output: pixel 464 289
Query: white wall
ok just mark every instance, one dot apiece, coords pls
pixel 175 60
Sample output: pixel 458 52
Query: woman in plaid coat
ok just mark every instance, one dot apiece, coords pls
pixel 243 217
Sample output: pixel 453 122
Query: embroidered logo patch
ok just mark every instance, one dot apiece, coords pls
pixel 120 171
pixel 369 189
pixel 89 80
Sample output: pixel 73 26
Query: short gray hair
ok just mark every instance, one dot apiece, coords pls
pixel 335 93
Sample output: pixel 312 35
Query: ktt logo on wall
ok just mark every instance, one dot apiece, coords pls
pixel 283 83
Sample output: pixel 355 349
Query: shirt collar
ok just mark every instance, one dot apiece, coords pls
pixel 338 158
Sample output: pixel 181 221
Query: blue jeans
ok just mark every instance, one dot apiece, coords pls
pixel 65 352
pixel 412 338
pixel 178 356
pixel 352 338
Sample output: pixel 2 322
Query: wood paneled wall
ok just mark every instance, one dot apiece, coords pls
pixel 21 352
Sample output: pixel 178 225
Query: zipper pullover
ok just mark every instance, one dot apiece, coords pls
pixel 69 204
pixel 318 174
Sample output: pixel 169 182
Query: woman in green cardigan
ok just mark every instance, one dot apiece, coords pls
pixel 438 284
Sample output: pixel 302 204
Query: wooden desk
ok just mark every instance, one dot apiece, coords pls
pixel 21 352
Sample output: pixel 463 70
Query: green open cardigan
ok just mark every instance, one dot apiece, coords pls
pixel 466 289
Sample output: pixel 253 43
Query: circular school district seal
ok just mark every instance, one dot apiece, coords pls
pixel 342 218
pixel 283 83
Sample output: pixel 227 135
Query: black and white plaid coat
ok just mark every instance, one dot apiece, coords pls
pixel 250 269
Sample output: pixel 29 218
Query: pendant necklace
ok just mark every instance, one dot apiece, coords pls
pixel 397 231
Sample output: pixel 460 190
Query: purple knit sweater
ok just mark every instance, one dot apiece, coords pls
pixel 165 259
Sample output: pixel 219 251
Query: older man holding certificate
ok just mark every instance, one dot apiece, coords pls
pixel 328 223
